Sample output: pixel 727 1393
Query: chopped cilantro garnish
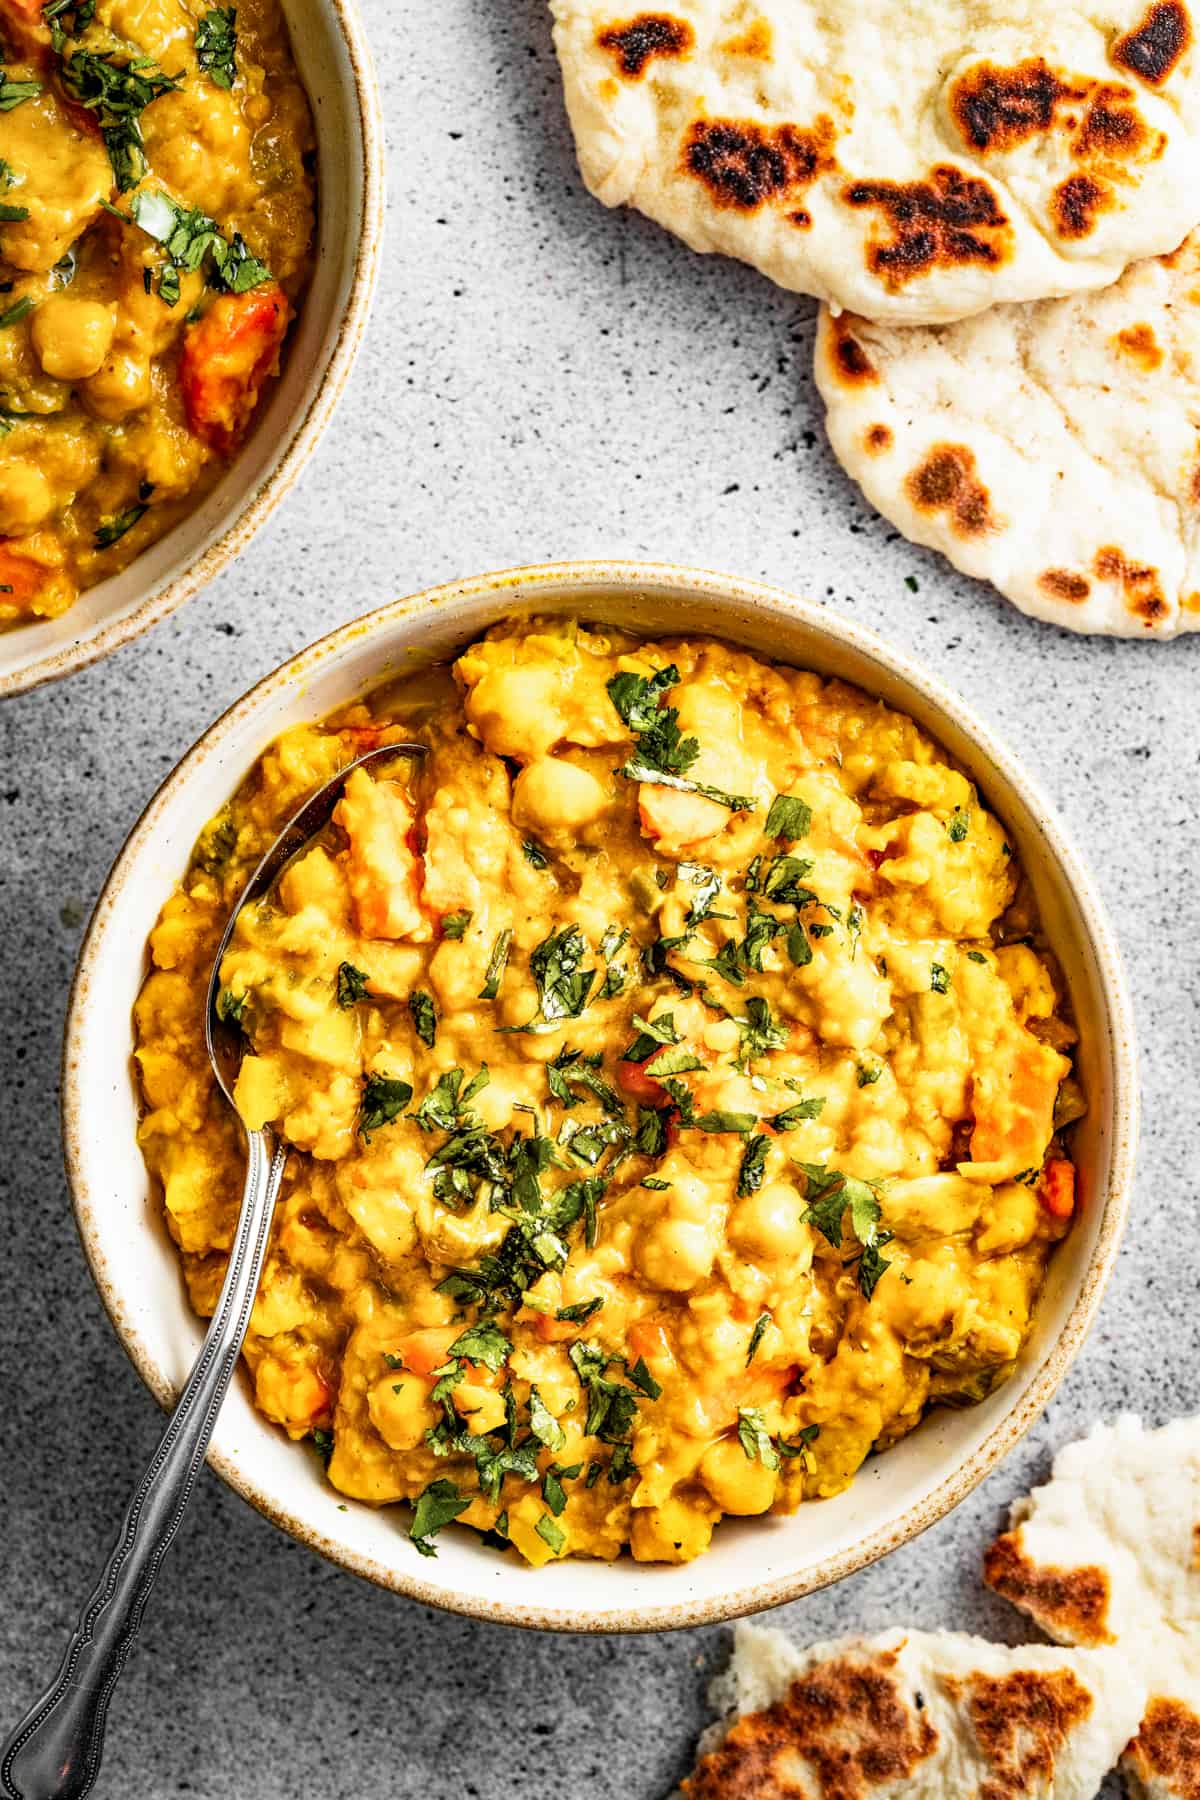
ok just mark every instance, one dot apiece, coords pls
pixel 455 924
pixel 976 956
pixel 755 1439
pixel 543 1424
pixel 655 1185
pixel 534 855
pixel 830 1194
pixel 939 978
pixel 869 1073
pixel 662 755
pixel 323 1442
pixel 231 1006
pixel 563 987
pixel 484 1344
pixel 10 215
pixel 438 1505
pixel 801 1446
pixel 959 824
pixel 672 1059
pixel 580 1312
pixel 216 45
pixel 496 964
pixel 424 1016
pixel 643 1379
pixel 351 985
pixel 756 1336
pixel 754 1164
pixel 117 86
pixel 760 1032
pixel 789 818
pixel 20 309
pixel 13 92
pixel 189 237
pixel 108 531
pixel 383 1100
pixel 794 1115
pixel 650 1137
pixel 707 883
pixel 552 1533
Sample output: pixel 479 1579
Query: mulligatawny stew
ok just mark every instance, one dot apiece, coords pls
pixel 674 1071
pixel 156 218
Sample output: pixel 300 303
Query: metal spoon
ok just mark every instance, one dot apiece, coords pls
pixel 55 1752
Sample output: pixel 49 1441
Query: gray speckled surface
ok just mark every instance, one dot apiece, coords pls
pixel 541 379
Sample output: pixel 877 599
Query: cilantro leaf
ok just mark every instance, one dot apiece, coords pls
pixel 485 1344
pixel 754 1165
pixel 760 1032
pixel 455 924
pixel 789 818
pixel 534 855
pixel 216 45
pixel 755 1439
pixel 756 1336
pixel 798 1113
pixel 496 964
pixel 117 86
pixel 438 1505
pixel 958 825
pixel 543 1424
pixel 424 1016
pixel 662 755
pixel 351 985
pixel 551 1533
pixel 939 978
pixel 383 1100
pixel 109 531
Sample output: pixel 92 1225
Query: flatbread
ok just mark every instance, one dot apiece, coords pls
pixel 1108 1552
pixel 1053 450
pixel 912 160
pixel 914 1715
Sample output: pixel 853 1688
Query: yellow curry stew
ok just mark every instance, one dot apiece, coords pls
pixel 156 220
pixel 674 1072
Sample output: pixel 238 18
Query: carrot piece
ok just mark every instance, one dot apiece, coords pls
pixel 226 360
pixel 21 578
pixel 1056 1190
pixel 422 1352
pixel 1014 1102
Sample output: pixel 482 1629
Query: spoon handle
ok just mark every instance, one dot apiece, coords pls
pixel 55 1752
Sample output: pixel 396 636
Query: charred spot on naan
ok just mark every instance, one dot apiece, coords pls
pixel 1152 51
pixel 636 42
pixel 1113 130
pixel 997 109
pixel 951 220
pixel 744 164
pixel 947 481
pixel 1139 344
pixel 1140 584
pixel 848 361
pixel 877 439
pixel 1064 584
pixel 1167 1748
pixel 850 1721
pixel 1021 1722
pixel 1071 1602
pixel 1076 203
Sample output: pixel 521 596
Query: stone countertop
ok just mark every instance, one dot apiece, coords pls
pixel 541 379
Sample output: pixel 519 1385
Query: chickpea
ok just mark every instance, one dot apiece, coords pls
pixel 555 795
pixel 400 1411
pixel 71 337
pixel 675 1254
pixel 737 1484
pixel 674 1532
pixel 26 499
pixel 516 711
pixel 119 387
pixel 768 1225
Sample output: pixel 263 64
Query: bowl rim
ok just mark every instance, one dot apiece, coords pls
pixel 306 428
pixel 630 577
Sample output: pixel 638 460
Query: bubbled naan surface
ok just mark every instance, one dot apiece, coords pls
pixel 912 160
pixel 1108 1552
pixel 1053 450
pixel 912 1715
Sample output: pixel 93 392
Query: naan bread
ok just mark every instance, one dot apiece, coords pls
pixel 1108 1552
pixel 1053 450
pixel 914 1715
pixel 913 160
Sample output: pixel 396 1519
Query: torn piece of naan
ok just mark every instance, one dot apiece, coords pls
pixel 913 1715
pixel 1108 1552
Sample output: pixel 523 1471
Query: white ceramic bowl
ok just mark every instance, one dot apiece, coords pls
pixel 752 1564
pixel 335 66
